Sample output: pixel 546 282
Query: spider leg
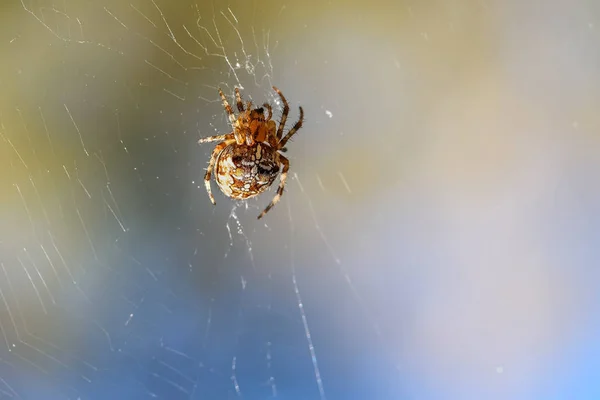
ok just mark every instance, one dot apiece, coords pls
pixel 227 107
pixel 271 127
pixel 292 131
pixel 249 140
pixel 238 100
pixel 216 138
pixel 211 164
pixel 270 110
pixel 271 139
pixel 238 136
pixel 282 179
pixel 286 110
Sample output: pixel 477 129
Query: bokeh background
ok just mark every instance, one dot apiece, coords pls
pixel 438 238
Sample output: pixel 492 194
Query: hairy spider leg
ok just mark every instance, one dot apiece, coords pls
pixel 215 138
pixel 246 134
pixel 286 110
pixel 270 110
pixel 292 131
pixel 211 165
pixel 271 138
pixel 282 179
pixel 238 100
pixel 239 138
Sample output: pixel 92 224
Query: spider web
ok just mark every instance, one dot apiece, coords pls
pixel 414 254
pixel 119 278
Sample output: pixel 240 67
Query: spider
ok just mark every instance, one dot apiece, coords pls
pixel 248 160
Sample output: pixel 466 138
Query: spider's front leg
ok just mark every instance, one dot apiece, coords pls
pixel 284 114
pixel 239 138
pixel 216 138
pixel 282 179
pixel 269 110
pixel 238 100
pixel 271 128
pixel 292 131
pixel 211 165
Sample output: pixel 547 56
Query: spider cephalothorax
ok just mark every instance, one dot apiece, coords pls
pixel 247 160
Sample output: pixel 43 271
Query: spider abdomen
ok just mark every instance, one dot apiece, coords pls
pixel 244 171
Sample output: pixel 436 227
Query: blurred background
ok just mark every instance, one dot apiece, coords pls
pixel 438 238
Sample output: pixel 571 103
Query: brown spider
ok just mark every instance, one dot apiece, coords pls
pixel 247 160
